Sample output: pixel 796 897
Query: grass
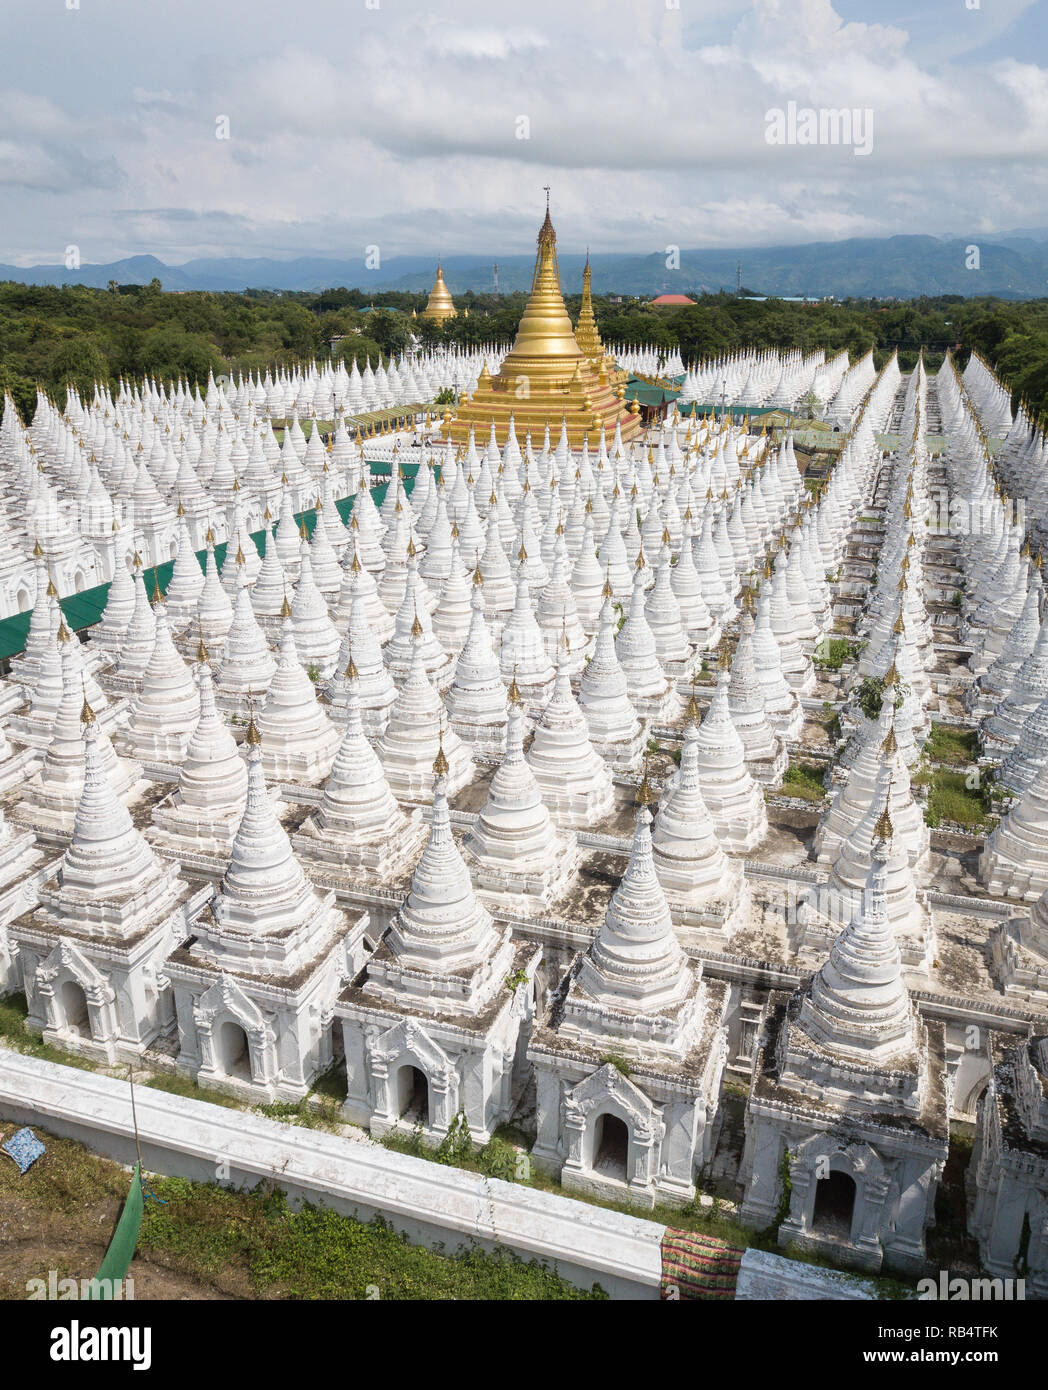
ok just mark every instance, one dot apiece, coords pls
pixel 253 1243
pixel 327 1114
pixel 13 1013
pixel 207 1231
pixel 957 747
pixel 831 720
pixel 951 799
pixel 67 1178
pixel 176 1084
pixel 804 780
pixel 833 652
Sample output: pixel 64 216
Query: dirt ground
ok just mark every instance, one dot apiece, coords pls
pixel 61 1215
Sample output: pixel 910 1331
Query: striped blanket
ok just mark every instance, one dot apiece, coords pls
pixel 697 1266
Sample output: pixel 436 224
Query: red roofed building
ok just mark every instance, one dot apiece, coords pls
pixel 672 300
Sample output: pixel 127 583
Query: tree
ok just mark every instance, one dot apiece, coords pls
pixel 78 363
pixel 389 329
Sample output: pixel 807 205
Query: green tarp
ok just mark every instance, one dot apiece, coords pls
pixel 86 608
pixel 117 1259
pixel 733 410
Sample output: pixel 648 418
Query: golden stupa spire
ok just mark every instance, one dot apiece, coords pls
pixel 87 714
pixel 645 794
pixel 440 305
pixel 440 762
pixel 586 333
pixel 563 384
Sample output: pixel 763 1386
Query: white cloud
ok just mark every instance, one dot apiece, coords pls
pixel 491 44
pixel 350 125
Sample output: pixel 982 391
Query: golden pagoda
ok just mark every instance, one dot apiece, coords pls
pixel 586 333
pixel 546 377
pixel 440 305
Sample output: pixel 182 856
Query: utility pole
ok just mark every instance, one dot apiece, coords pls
pixel 738 277
pixel 496 279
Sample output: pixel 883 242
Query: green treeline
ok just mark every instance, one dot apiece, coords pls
pixel 57 336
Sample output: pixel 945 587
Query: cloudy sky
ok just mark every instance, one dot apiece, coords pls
pixel 397 123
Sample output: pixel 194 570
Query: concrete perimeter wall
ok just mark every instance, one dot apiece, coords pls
pixel 432 1204
pixel 774 1278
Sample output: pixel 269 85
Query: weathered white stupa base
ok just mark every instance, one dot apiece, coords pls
pixel 180 831
pixel 639 1138
pixel 414 1072
pixel 769 771
pixel 712 919
pixel 1019 953
pixel 97 998
pixel 21 865
pixel 1008 1172
pixel 822 917
pixel 384 860
pixel 262 1038
pixel 621 755
pixel 504 888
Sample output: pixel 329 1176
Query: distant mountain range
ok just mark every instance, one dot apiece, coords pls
pixel 1014 266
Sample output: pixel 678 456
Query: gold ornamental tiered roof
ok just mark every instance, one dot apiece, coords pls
pixel 440 305
pixel 586 334
pixel 546 377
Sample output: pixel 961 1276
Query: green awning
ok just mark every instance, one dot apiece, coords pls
pixel 86 608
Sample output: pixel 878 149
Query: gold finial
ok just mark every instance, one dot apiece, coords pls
pixel 63 631
pixel 645 794
pixel 37 550
pixel 522 554
pixel 302 529
pixel 202 652
pixel 883 829
pixel 890 746
pixel 285 607
pixel 898 627
pixel 478 578
pixel 252 737
pixel 640 559
pixel 440 762
pixel 158 597
pixel 891 676
pixel 239 557
pixel 351 669
pixel 725 658
pixel 52 592
pixel 691 709
pixel 416 626
pixel 607 591
pixel 411 548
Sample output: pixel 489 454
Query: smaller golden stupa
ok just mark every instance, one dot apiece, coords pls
pixel 440 305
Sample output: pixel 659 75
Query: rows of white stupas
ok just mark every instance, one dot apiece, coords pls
pixel 647 361
pixel 787 381
pixel 329 390
pixel 353 794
